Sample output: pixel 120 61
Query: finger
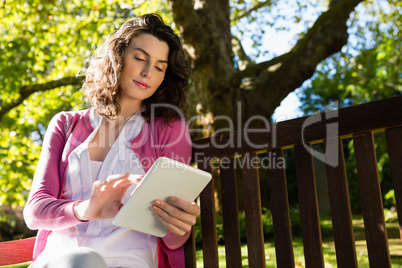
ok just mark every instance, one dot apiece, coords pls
pixel 122 183
pixel 136 179
pixel 132 178
pixel 99 185
pixel 191 208
pixel 172 228
pixel 103 184
pixel 172 224
pixel 169 212
pixel 120 180
pixel 116 177
pixel 116 184
pixel 100 182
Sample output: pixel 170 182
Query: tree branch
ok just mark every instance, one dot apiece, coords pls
pixel 254 8
pixel 326 16
pixel 265 87
pixel 253 69
pixel 27 91
pixel 301 44
pixel 244 59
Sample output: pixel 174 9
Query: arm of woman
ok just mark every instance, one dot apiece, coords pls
pixel 43 209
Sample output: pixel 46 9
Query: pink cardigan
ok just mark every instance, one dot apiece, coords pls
pixel 66 131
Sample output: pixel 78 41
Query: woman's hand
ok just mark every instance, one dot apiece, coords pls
pixel 177 215
pixel 106 197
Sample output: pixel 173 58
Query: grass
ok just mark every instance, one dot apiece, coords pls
pixel 328 249
pixel 19 265
pixel 394 241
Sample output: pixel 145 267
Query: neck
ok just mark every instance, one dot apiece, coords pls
pixel 129 108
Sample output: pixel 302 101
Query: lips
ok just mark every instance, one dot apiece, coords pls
pixel 141 85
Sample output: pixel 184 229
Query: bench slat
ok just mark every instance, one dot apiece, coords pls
pixel 309 216
pixel 252 207
pixel 394 143
pixel 190 251
pixel 340 208
pixel 230 215
pixel 17 251
pixel 370 194
pixel 208 222
pixel 280 212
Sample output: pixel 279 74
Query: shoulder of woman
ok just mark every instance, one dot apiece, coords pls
pixel 175 125
pixel 66 115
pixel 63 120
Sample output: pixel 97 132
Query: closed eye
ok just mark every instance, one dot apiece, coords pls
pixel 159 69
pixel 139 59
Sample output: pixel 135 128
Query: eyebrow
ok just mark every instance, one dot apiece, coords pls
pixel 146 53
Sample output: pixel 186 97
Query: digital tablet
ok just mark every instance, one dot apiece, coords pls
pixel 165 178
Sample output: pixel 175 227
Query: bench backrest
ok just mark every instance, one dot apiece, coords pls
pixel 238 150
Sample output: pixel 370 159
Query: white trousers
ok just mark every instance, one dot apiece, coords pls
pixel 79 257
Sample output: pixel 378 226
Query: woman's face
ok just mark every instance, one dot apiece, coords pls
pixel 144 66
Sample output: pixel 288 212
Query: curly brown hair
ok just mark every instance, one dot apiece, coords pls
pixel 101 85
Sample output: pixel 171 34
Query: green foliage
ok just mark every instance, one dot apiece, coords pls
pixel 18 156
pixel 368 69
pixel 42 41
pixel 21 135
pixel 266 223
pixel 12 225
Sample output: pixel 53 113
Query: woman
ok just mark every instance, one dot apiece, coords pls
pixel 91 160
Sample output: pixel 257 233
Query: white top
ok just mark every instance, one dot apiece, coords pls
pixel 120 247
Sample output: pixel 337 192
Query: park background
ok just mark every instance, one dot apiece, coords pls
pixel 279 59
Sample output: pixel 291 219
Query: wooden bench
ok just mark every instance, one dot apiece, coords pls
pixel 17 251
pixel 229 152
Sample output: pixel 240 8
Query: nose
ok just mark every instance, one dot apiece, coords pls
pixel 146 71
